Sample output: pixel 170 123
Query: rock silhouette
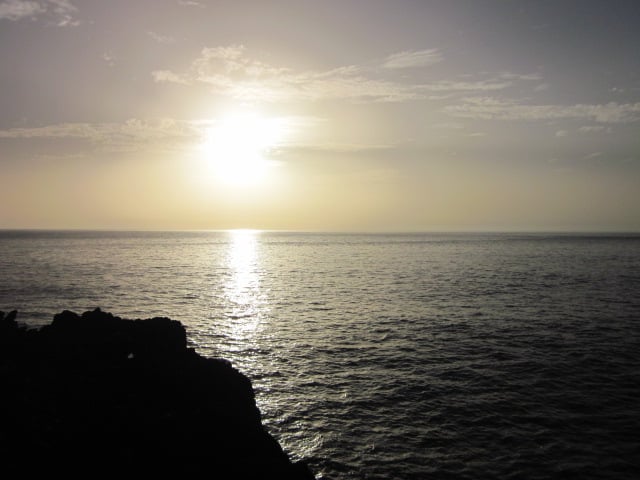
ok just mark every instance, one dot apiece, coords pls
pixel 94 394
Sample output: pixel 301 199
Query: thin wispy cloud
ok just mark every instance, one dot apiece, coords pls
pixel 587 129
pixel 190 3
pixel 110 58
pixel 520 76
pixel 230 71
pixel 488 108
pixel 457 86
pixel 167 76
pixel 130 135
pixel 57 12
pixel 164 39
pixel 413 59
pixel 339 147
pixel 64 10
pixel 18 9
pixel 137 133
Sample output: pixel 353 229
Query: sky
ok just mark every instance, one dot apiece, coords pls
pixel 350 115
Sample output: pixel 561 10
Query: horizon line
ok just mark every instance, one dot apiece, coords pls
pixel 329 231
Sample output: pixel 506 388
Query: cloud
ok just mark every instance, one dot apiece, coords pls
pixel 135 134
pixel 17 9
pixel 110 58
pixel 63 130
pixel 413 58
pixel 594 129
pixel 488 108
pixel 164 39
pixel 129 135
pixel 230 71
pixel 592 155
pixel 340 147
pixel 167 76
pixel 562 133
pixel 190 3
pixel 457 86
pixel 59 12
pixel 64 11
pixel 527 77
pixel 520 76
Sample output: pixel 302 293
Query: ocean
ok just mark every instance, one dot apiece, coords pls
pixel 400 356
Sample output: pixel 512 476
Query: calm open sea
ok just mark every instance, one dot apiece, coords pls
pixel 386 356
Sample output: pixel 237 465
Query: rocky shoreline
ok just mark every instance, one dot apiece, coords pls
pixel 97 394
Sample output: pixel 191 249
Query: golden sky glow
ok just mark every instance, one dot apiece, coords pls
pixel 319 115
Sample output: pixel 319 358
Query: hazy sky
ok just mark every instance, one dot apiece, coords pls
pixel 320 115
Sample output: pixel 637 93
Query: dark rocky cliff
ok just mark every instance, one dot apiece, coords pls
pixel 96 394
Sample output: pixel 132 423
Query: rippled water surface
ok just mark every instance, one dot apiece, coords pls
pixel 386 356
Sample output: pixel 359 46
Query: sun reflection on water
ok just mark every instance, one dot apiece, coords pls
pixel 244 302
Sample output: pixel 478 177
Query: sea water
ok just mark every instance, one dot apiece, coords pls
pixel 410 356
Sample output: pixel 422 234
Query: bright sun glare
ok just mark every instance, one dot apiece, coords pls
pixel 237 147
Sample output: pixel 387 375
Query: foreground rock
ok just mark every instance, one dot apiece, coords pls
pixel 95 394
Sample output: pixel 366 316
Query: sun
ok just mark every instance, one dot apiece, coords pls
pixel 237 147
